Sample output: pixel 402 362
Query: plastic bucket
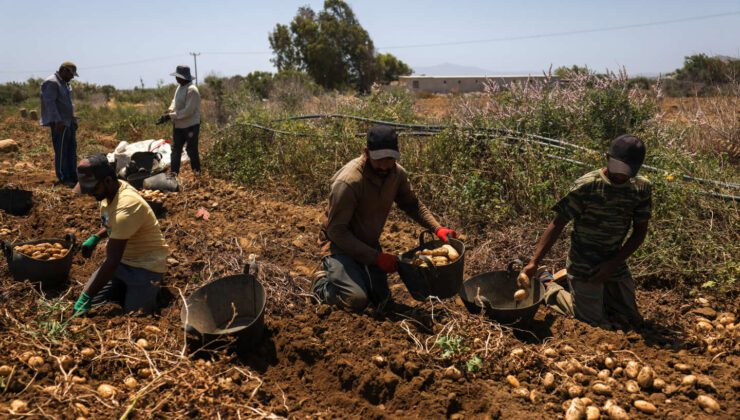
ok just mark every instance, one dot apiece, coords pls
pixel 49 273
pixel 442 281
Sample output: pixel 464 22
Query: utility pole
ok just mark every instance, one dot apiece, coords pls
pixel 195 62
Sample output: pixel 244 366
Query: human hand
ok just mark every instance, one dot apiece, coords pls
pixel 604 271
pixel 443 232
pixel 387 262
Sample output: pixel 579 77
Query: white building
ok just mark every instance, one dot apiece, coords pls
pixel 460 84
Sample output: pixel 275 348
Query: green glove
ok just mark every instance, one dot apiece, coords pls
pixel 83 304
pixel 89 245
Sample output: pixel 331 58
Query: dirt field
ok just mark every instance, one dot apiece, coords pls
pixel 316 361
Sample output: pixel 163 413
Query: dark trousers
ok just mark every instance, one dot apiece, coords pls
pixel 350 284
pixel 135 289
pixel 187 137
pixel 65 154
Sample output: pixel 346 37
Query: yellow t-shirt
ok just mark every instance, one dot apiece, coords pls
pixel 129 217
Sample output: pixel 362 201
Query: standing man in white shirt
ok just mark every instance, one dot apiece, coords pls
pixel 184 112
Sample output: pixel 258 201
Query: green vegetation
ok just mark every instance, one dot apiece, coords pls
pixel 450 346
pixel 333 48
pixel 474 364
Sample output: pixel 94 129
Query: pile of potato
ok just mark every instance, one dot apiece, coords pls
pixel 523 284
pixel 444 255
pixel 154 196
pixel 44 251
pixel 5 231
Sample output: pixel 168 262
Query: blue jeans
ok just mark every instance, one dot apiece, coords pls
pixel 131 287
pixel 65 154
pixel 350 284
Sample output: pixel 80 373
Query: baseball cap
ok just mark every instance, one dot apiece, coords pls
pixel 382 142
pixel 626 155
pixel 72 66
pixel 92 170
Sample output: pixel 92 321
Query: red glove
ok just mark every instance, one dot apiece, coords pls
pixel 442 233
pixel 387 262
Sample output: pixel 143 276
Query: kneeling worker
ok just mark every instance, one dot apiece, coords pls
pixel 136 253
pixel 362 194
pixel 604 205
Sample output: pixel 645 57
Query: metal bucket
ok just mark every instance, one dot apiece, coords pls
pixel 442 282
pixel 494 292
pixel 49 273
pixel 229 306
pixel 16 201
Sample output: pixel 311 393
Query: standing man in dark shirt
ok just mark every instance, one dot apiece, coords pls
pixel 57 113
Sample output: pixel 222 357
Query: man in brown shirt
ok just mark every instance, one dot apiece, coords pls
pixel 362 194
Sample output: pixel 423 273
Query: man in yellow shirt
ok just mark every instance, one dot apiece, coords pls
pixel 136 252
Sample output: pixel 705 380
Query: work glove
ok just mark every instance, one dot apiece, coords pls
pixel 83 304
pixel 163 119
pixel 387 262
pixel 442 233
pixel 89 246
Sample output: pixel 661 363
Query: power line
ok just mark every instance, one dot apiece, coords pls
pixel 565 33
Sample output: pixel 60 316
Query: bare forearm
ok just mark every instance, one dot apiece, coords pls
pixel 548 239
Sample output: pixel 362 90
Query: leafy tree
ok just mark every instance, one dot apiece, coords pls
pixel 259 82
pixel 705 69
pixel 389 68
pixel 565 72
pixel 332 47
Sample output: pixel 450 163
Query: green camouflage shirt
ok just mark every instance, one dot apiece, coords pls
pixel 602 214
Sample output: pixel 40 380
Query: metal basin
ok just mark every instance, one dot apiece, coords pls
pixel 442 282
pixel 493 292
pixel 229 306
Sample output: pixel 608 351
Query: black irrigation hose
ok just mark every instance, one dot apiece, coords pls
pixel 557 142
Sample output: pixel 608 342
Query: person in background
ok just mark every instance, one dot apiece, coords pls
pixel 604 205
pixel 362 194
pixel 57 113
pixel 184 112
pixel 136 252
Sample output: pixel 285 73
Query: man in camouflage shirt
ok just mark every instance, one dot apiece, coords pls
pixel 603 204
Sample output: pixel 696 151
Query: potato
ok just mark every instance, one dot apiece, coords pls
pixel 683 367
pixel 18 406
pixel 659 384
pixel 548 381
pixel 5 371
pixel 520 295
pixel 575 391
pixel 616 412
pixel 512 380
pixel 131 383
pixel 610 363
pixel 523 281
pixel 36 362
pixel 593 413
pixel 603 374
pixel 688 381
pixel 646 377
pixel 106 391
pixel 707 403
pixel 576 410
pixel 87 353
pixel 550 352
pixel 600 388
pixel 632 369
pixel 452 253
pixel 704 326
pixel 379 360
pixel 521 392
pixel 452 373
pixel 632 387
pixel 645 406
pixel 142 343
pixel 66 362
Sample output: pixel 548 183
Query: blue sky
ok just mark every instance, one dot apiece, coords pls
pixel 157 35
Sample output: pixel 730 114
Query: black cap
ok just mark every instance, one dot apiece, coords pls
pixel 626 155
pixel 92 170
pixel 382 142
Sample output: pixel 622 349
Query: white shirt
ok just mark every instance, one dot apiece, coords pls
pixel 185 107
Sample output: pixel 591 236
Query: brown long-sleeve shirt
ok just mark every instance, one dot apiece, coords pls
pixel 359 204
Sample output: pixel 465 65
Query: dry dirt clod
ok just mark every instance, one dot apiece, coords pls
pixel 512 380
pixel 707 403
pixel 452 373
pixel 521 392
pixel 645 407
pixel 379 360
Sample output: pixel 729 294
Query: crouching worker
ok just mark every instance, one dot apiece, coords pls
pixel 362 194
pixel 136 253
pixel 603 205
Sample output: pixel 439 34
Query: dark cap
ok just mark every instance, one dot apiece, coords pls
pixel 382 142
pixel 626 155
pixel 92 170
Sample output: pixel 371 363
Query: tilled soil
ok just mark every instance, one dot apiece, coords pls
pixel 316 361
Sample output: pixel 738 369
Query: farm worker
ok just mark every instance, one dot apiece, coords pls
pixel 136 253
pixel 184 112
pixel 603 205
pixel 362 194
pixel 57 113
